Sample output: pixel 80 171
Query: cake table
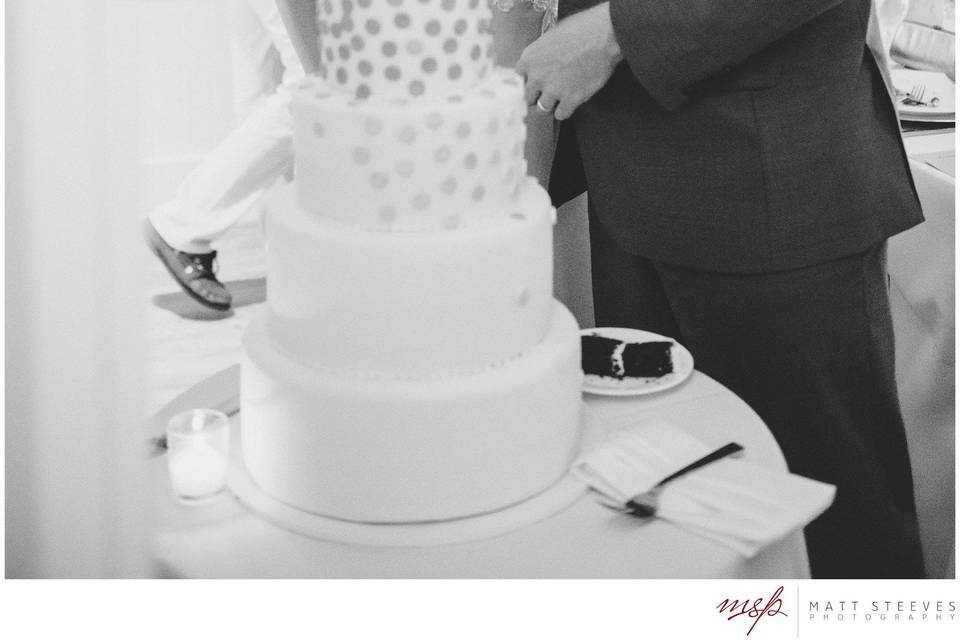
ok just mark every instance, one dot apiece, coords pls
pixel 225 539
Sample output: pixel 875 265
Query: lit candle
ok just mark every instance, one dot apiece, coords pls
pixel 198 471
pixel 198 448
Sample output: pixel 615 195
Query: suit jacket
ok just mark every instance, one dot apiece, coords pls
pixel 740 136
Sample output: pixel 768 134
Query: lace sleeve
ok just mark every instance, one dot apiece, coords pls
pixel 549 8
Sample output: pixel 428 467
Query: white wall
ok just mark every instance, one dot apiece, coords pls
pixel 109 104
pixel 74 425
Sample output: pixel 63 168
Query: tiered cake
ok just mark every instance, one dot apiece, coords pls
pixel 412 365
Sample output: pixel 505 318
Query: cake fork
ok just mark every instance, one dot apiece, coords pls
pixel 915 96
pixel 644 505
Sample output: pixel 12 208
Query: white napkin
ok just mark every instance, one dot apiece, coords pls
pixel 736 503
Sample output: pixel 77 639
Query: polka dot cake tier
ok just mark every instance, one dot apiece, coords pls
pixel 412 364
pixel 410 165
pixel 404 48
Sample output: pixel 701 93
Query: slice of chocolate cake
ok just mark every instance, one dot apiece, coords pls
pixel 597 355
pixel 612 358
pixel 647 359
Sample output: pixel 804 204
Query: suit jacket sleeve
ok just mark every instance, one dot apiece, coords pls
pixel 670 45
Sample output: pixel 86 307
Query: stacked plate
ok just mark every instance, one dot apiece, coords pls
pixel 938 103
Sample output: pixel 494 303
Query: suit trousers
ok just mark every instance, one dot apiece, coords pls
pixel 811 351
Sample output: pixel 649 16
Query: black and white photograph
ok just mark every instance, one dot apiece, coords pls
pixel 647 301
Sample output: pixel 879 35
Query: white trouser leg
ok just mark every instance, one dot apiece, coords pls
pixel 254 61
pixel 235 176
pixel 266 10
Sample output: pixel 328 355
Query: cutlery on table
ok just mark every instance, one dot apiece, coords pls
pixel 915 97
pixel 644 505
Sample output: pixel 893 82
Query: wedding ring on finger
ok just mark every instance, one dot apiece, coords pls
pixel 542 108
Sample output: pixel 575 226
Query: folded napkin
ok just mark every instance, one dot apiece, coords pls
pixel 736 503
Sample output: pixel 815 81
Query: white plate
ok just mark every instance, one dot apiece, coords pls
pixel 606 386
pixel 937 84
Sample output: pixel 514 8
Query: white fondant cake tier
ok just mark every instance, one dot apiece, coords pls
pixel 406 48
pixel 437 163
pixel 342 297
pixel 410 450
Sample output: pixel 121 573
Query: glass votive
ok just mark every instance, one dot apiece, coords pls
pixel 198 454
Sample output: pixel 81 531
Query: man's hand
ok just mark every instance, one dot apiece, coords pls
pixel 571 62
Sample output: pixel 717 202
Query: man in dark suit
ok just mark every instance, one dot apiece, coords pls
pixel 744 168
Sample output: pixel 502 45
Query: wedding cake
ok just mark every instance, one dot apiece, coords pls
pixel 412 364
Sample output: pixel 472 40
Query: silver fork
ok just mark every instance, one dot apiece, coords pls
pixel 645 505
pixel 916 95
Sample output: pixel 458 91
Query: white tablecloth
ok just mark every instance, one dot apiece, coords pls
pixel 224 540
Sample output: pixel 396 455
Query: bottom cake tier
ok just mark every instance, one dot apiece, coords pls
pixel 396 449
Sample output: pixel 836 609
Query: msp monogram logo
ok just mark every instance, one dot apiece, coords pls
pixel 755 609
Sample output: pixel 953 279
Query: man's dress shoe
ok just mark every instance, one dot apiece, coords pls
pixel 194 272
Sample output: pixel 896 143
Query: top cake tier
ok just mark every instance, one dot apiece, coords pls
pixel 404 48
